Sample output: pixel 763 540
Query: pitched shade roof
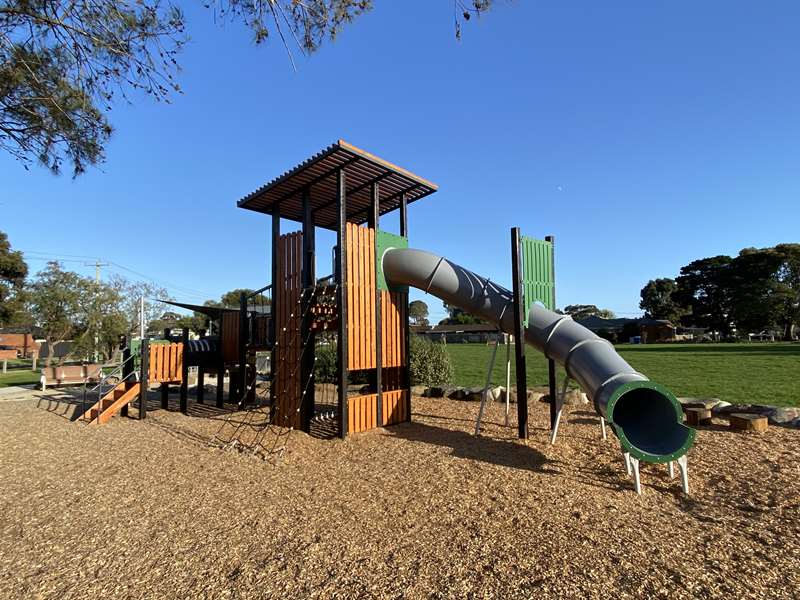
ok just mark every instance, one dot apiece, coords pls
pixel 318 175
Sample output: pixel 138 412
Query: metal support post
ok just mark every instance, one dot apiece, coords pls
pixel 184 398
pixel 341 299
pixel 144 378
pixel 519 335
pixel 373 222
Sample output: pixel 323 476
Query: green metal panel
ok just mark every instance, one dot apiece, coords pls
pixel 538 278
pixel 383 241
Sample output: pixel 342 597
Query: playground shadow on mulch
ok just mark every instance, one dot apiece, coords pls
pixel 67 404
pixel 504 453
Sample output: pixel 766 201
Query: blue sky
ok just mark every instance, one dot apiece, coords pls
pixel 642 135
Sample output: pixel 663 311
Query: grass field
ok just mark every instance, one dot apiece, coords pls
pixel 18 377
pixel 737 373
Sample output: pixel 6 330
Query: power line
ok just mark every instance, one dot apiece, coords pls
pixel 74 258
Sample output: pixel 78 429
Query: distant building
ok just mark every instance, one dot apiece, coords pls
pixel 22 339
pixel 648 330
pixel 459 333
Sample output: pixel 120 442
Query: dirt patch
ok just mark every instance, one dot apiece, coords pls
pixel 149 510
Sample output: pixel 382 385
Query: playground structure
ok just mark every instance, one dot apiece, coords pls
pixel 361 309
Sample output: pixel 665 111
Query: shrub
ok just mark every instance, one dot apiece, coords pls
pixel 430 363
pixel 325 365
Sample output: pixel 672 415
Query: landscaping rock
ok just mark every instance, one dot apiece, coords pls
pixel 575 398
pixel 720 408
pixel 418 390
pixel 497 393
pixel 725 411
pixel 434 392
pixel 473 394
pixel 458 393
pixel 779 415
pixel 707 403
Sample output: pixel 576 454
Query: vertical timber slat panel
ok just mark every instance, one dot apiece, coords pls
pixel 287 374
pixel 360 297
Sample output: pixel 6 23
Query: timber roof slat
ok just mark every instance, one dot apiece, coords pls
pixel 318 175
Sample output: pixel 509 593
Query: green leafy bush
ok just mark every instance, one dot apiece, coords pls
pixel 325 365
pixel 430 363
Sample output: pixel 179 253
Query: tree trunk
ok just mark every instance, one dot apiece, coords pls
pixel 49 358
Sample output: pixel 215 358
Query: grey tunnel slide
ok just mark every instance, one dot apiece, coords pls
pixel 646 417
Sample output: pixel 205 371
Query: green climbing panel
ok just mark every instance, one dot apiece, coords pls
pixel 383 241
pixel 538 277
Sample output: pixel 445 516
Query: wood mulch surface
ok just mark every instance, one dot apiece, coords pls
pixel 151 510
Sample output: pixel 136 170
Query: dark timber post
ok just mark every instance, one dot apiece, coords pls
pixel 185 372
pixel 277 290
pixel 201 382
pixel 307 338
pixel 341 298
pixel 145 368
pixel 373 221
pixel 404 324
pixel 551 364
pixel 519 336
pixel 127 368
pixel 241 387
pixel 165 386
pixel 220 366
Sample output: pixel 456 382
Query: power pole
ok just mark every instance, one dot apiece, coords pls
pixel 97 264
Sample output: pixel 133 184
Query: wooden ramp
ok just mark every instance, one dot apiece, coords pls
pixel 110 404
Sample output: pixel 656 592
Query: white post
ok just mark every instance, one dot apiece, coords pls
pixel 637 482
pixel 671 466
pixel 141 318
pixel 603 428
pixel 4 366
pixel 559 408
pixel 508 374
pixel 486 389
pixel 683 466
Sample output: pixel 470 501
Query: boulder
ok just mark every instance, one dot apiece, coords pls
pixel 496 393
pixel 720 407
pixel 434 392
pixel 575 398
pixel 473 394
pixel 418 390
pixel 726 411
pixel 458 393
pixel 707 403
pixel 781 415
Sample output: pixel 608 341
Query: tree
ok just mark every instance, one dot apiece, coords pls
pixel 63 63
pixel 658 302
pixel 232 299
pixel 788 288
pixel 55 297
pixel 131 293
pixel 583 311
pixel 13 272
pixel 101 321
pixel 703 289
pixel 418 312
pixel 458 316
pixel 752 290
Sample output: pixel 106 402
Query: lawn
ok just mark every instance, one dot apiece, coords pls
pixel 737 373
pixel 18 377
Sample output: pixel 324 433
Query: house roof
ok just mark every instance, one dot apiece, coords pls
pixel 460 328
pixel 596 323
pixel 318 175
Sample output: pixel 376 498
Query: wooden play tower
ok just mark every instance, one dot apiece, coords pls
pixel 346 190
